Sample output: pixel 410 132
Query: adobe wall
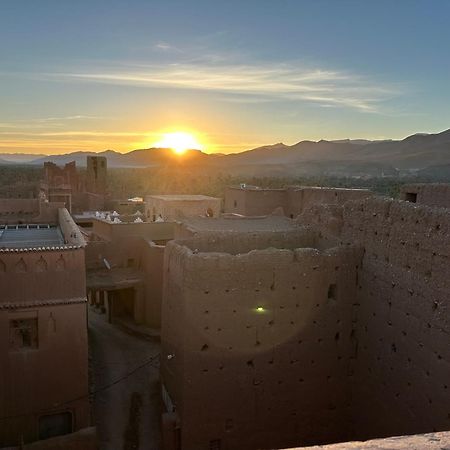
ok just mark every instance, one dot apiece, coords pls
pixel 156 231
pixel 431 194
pixel 96 174
pixel 293 200
pixel 52 378
pixel 430 441
pixel 171 210
pixel 33 275
pixel 260 343
pixel 28 210
pixel 69 229
pixel 254 202
pixel 118 253
pixel 404 322
pixel 152 263
pixel 403 327
pixel 300 199
pixel 235 243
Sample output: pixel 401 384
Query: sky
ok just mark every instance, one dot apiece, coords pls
pixel 109 74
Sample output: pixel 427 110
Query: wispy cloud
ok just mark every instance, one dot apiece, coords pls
pixel 70 118
pixel 74 133
pixel 291 82
pixel 166 47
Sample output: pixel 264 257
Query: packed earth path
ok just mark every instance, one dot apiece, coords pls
pixel 125 377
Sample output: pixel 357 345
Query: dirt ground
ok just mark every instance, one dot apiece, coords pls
pixel 126 414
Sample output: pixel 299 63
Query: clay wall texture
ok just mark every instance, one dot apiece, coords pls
pixel 402 329
pixel 177 207
pixel 369 357
pixel 134 246
pixel 252 375
pixel 112 231
pixel 152 263
pixel 431 194
pixel 55 176
pixel 44 380
pixel 253 201
pixel 18 210
pixel 46 288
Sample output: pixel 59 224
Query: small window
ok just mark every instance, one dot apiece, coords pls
pixel 23 333
pixel 55 425
pixel 332 292
pixel 235 204
pixel 411 197
pixel 130 262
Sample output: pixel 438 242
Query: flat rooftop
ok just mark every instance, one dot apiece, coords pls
pixel 236 223
pixel 182 197
pixel 23 236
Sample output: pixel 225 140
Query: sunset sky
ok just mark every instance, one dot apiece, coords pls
pixel 96 75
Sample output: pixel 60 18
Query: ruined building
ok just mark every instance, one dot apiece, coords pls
pixel 76 192
pixel 60 184
pixel 96 174
pixel 335 330
pixel 43 344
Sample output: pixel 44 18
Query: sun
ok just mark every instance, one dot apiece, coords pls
pixel 179 142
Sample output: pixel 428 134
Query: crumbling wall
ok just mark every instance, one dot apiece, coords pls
pixel 235 243
pixel 300 199
pixel 258 344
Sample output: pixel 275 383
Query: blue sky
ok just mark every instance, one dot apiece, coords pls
pixel 237 74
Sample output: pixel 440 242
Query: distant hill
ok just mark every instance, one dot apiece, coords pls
pixel 341 157
pixel 18 158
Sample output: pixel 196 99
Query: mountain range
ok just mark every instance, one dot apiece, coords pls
pixel 414 153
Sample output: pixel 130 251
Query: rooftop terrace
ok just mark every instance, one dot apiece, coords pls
pixel 31 235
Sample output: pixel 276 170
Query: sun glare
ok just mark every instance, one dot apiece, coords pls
pixel 179 142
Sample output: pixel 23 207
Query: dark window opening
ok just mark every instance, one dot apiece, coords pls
pixel 332 292
pixel 411 197
pixel 23 334
pixel 235 204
